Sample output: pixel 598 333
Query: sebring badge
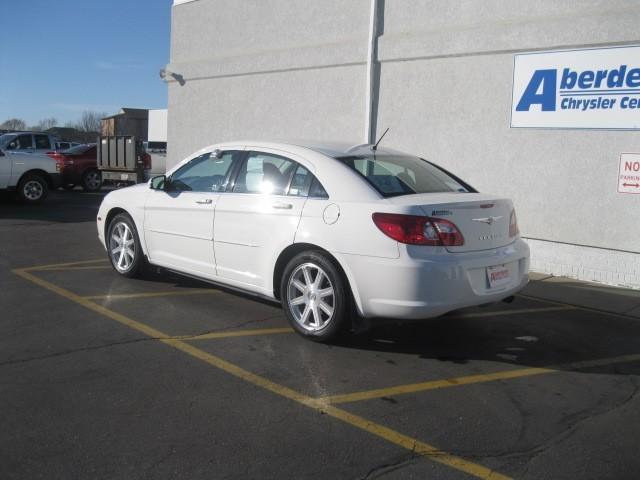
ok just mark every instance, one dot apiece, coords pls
pixel 487 220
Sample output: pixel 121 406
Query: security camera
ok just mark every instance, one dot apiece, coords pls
pixel 176 76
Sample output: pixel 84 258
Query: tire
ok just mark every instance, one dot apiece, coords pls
pixel 92 180
pixel 128 263
pixel 33 188
pixel 321 311
pixel 71 186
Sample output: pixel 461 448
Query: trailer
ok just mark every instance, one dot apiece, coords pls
pixel 122 159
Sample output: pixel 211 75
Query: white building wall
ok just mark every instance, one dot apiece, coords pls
pixel 297 69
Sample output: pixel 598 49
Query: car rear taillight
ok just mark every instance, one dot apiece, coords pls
pixel 418 230
pixel 513 224
pixel 146 161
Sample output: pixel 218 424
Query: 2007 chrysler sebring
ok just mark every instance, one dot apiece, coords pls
pixel 321 227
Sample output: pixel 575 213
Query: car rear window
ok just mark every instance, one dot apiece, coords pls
pixel 394 175
pixel 78 149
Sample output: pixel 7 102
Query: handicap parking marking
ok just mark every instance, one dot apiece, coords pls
pixel 417 447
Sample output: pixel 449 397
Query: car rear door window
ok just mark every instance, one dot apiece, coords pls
pixel 206 173
pixel 42 142
pixel 305 184
pixel 300 183
pixel 264 173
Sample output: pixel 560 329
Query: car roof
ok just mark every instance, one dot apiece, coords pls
pixel 327 148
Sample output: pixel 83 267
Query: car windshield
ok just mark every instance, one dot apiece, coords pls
pixel 394 175
pixel 77 150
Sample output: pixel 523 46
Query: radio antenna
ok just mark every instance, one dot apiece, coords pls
pixel 375 147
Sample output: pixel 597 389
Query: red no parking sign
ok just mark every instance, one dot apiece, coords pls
pixel 629 173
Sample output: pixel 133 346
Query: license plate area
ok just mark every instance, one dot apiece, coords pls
pixel 498 276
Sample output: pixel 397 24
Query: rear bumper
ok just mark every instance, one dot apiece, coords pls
pixel 419 285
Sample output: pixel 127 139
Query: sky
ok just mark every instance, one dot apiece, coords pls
pixel 59 58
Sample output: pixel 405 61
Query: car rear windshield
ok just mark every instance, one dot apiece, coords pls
pixel 77 150
pixel 394 175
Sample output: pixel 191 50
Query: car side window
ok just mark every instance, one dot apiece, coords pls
pixel 21 142
pixel 42 142
pixel 264 173
pixel 316 190
pixel 206 173
pixel 300 182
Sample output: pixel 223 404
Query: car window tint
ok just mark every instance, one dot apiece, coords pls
pixel 42 142
pixel 205 173
pixel 393 175
pixel 301 182
pixel 317 190
pixel 264 173
pixel 21 142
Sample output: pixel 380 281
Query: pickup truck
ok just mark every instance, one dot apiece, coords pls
pixel 32 175
pixel 28 142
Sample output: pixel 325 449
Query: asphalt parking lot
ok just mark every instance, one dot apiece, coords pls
pixel 104 377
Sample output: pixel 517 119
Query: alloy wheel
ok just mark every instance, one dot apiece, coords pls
pixel 122 247
pixel 311 297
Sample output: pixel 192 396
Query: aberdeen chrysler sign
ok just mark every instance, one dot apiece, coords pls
pixel 595 88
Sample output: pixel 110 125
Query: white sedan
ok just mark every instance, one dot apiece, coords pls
pixel 325 229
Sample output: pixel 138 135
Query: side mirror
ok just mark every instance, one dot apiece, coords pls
pixel 158 183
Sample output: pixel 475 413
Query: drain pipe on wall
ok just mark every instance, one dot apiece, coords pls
pixel 372 75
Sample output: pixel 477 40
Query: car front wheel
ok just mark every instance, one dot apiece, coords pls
pixel 315 297
pixel 123 246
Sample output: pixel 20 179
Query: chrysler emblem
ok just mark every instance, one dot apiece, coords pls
pixel 487 220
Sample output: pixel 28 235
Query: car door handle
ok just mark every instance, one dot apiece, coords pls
pixel 208 201
pixel 282 206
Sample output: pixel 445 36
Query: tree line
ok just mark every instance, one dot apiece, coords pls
pixel 89 121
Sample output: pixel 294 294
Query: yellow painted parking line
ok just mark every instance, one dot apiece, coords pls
pixel 83 267
pixel 68 264
pixel 241 333
pixel 419 448
pixel 579 307
pixel 514 312
pixel 433 385
pixel 168 293
pixel 471 379
pixel 602 362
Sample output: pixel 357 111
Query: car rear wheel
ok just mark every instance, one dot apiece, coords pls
pixel 33 188
pixel 92 180
pixel 315 297
pixel 123 246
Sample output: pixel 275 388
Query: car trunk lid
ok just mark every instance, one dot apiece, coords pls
pixel 482 219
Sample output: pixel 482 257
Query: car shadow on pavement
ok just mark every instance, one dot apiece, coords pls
pixel 59 207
